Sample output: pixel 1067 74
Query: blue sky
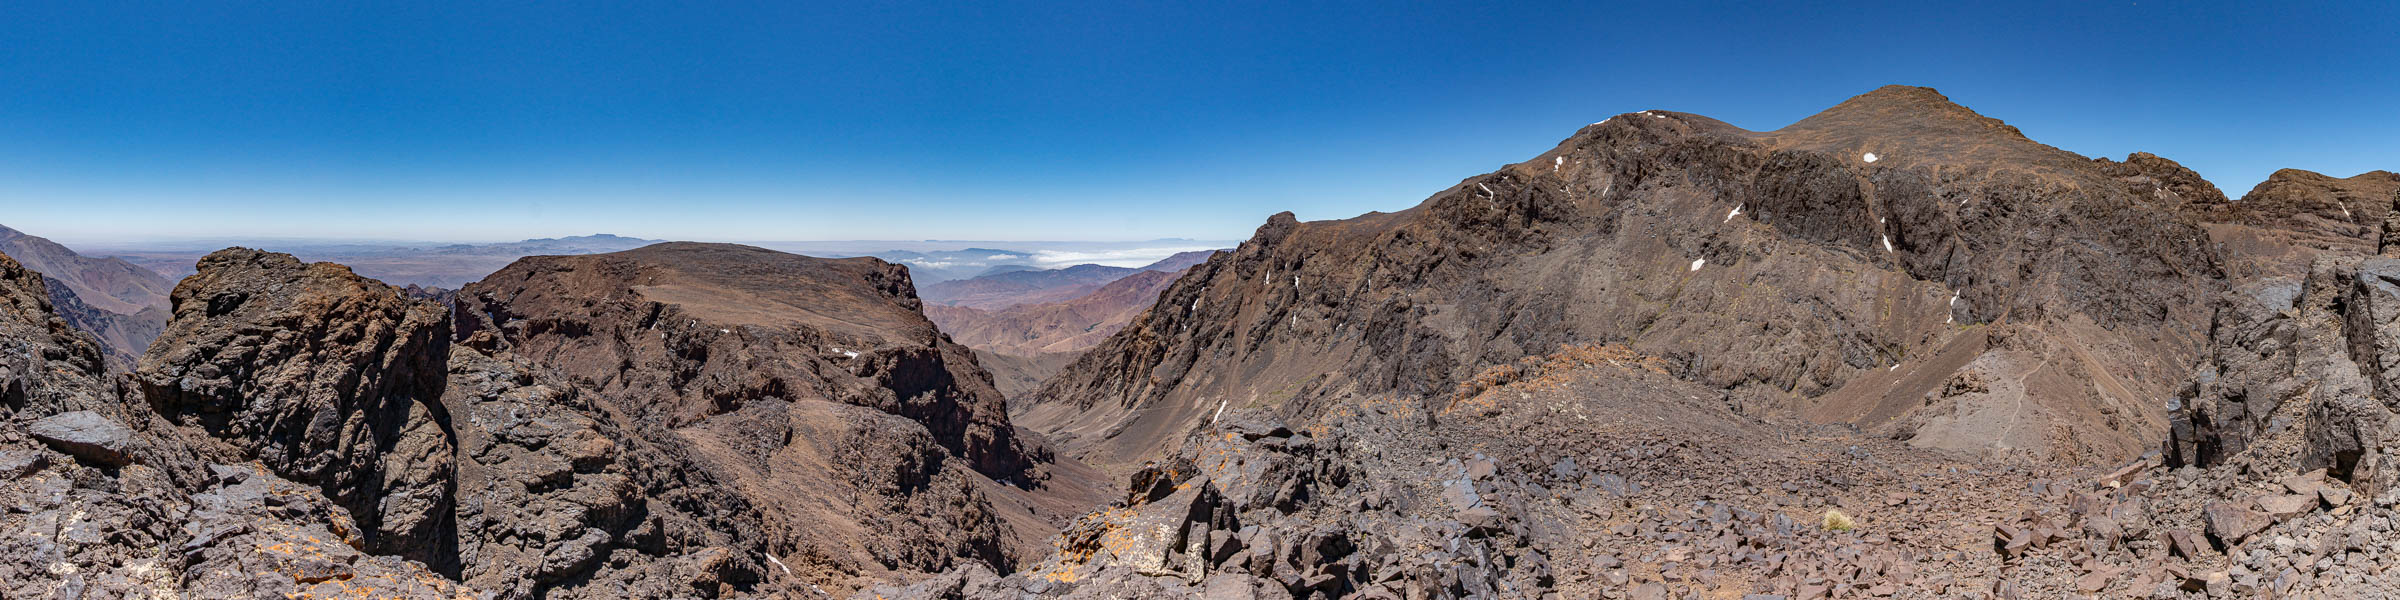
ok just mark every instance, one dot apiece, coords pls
pixel 1051 121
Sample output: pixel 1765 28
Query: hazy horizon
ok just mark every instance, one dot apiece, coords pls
pixel 475 122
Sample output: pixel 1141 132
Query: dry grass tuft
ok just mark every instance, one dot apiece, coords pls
pixel 1836 521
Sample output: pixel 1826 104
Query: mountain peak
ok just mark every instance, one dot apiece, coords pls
pixel 1917 125
pixel 1904 110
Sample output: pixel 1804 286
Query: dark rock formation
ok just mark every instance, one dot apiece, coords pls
pixel 134 512
pixel 555 504
pixel 682 332
pixel 1845 266
pixel 2300 378
pixel 2164 181
pixel 737 414
pixel 85 434
pixel 47 367
pixel 325 377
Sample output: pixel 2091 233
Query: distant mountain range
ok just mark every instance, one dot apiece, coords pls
pixel 1010 285
pixel 447 266
pixel 120 303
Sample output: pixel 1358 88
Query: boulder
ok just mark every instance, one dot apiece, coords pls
pixel 2231 523
pixel 87 435
pixel 2283 506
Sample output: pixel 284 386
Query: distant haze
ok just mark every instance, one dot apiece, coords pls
pixel 488 122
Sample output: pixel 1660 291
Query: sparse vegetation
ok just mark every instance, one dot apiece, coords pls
pixel 1836 521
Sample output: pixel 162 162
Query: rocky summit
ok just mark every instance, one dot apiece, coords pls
pixel 1896 349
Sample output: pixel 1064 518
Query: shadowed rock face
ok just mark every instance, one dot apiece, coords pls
pixel 105 500
pixel 1784 264
pixel 555 503
pixel 2301 377
pixel 47 367
pixel 326 378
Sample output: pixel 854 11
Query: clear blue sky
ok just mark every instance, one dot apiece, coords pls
pixel 1044 121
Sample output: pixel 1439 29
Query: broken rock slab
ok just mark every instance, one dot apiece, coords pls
pixel 2232 522
pixel 87 435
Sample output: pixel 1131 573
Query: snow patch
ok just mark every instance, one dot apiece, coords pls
pixel 1887 243
pixel 1555 163
pixel 1697 262
pixel 1220 411
pixel 1737 210
pixel 787 571
pixel 1870 157
pixel 1487 190
pixel 724 331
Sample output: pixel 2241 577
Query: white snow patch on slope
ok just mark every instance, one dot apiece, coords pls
pixel 1697 262
pixel 1887 243
pixel 1737 210
pixel 1870 157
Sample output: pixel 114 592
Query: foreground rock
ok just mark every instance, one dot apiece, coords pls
pixel 102 499
pixel 326 378
pixel 798 417
pixel 85 434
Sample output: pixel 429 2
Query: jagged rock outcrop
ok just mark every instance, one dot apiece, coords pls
pixel 2284 223
pixel 555 503
pixel 798 417
pixel 47 367
pixel 2295 377
pixel 1845 267
pixel 682 332
pixel 2300 378
pixel 325 377
pixel 2166 181
pixel 102 499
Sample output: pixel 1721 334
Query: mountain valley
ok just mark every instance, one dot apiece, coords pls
pixel 1894 349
